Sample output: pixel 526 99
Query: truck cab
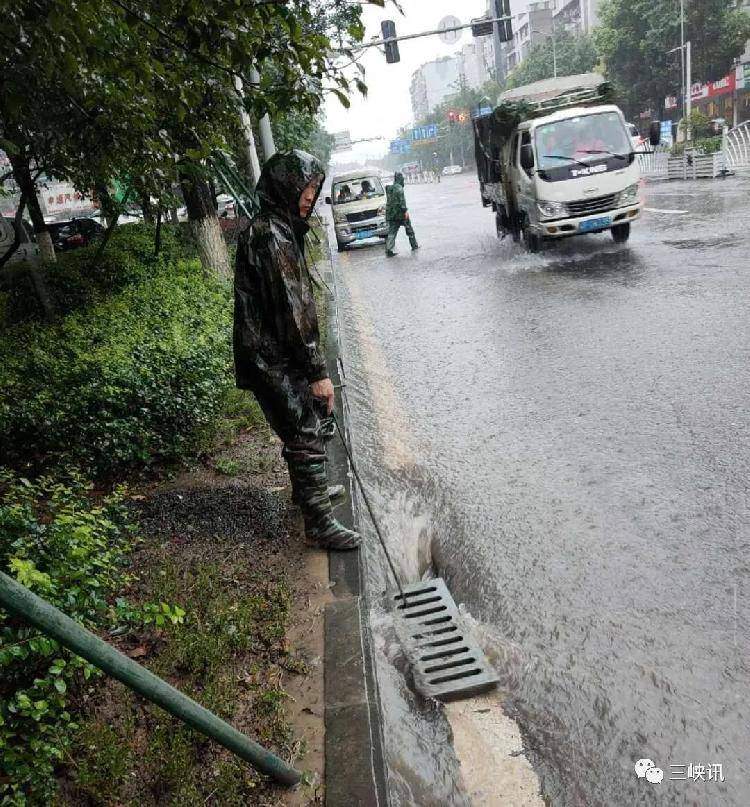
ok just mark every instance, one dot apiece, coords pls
pixel 573 172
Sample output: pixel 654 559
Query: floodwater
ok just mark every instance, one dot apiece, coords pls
pixel 565 437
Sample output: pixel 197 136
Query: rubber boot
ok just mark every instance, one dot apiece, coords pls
pixel 336 493
pixel 321 527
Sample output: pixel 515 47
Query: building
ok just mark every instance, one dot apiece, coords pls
pixel 577 16
pixel 476 61
pixel 433 82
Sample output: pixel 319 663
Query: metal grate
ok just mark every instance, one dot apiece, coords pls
pixel 598 204
pixel 445 660
pixel 362 215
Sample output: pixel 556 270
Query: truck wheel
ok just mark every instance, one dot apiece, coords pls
pixel 621 233
pixel 532 240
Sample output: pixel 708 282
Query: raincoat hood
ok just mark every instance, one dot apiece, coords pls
pixel 398 179
pixel 283 179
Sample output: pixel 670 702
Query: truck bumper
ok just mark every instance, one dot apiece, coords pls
pixel 581 225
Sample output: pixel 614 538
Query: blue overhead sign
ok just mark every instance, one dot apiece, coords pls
pixel 481 111
pixel 429 132
pixel 400 146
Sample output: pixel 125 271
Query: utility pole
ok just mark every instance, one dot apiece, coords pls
pixel 688 94
pixel 554 46
pixel 264 125
pixel 247 129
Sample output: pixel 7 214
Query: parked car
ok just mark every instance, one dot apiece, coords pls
pixel 27 249
pixel 67 235
pixel 449 170
pixel 358 203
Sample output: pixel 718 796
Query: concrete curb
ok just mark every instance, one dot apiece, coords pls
pixel 354 764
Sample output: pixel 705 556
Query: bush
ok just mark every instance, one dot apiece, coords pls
pixel 70 551
pixel 135 379
pixel 78 279
pixel 707 145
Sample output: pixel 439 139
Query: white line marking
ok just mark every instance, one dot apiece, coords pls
pixel 658 210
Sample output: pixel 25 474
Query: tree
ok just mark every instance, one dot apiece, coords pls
pixel 634 38
pixel 305 131
pixel 575 54
pixel 148 89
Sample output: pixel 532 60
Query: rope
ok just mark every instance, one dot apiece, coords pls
pixel 369 509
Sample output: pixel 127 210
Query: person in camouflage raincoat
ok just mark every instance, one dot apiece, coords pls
pixel 276 340
pixel 397 215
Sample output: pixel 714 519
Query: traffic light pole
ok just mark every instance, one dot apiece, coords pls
pixel 437 31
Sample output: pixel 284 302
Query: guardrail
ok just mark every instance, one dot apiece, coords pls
pixel 736 147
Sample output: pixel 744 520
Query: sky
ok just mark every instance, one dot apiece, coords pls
pixel 388 105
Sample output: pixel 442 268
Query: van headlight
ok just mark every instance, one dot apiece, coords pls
pixel 551 210
pixel 630 194
pixel 381 210
pixel 339 217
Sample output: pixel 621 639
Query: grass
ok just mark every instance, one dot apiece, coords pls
pixel 227 656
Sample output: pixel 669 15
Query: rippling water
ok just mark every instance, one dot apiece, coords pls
pixel 565 437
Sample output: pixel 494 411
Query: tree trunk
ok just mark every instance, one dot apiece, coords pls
pixel 204 224
pixel 17 225
pixel 107 204
pixel 147 208
pixel 157 237
pixel 24 180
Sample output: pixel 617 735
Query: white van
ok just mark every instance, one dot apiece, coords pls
pixel 27 249
pixel 358 203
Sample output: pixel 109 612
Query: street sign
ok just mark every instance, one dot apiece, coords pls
pixel 429 132
pixel 480 112
pixel 400 146
pixel 342 140
pixel 482 27
pixel 449 37
pixel 666 133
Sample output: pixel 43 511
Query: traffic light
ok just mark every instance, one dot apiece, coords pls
pixel 388 29
pixel 505 28
pixel 502 8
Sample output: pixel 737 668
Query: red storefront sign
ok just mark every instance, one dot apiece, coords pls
pixel 712 89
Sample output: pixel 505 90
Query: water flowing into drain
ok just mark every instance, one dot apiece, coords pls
pixel 426 610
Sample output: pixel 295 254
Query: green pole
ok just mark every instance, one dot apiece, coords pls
pixel 25 604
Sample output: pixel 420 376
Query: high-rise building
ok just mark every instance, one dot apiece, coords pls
pixel 433 82
pixel 476 61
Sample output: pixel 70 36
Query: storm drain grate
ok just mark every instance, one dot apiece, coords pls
pixel 445 660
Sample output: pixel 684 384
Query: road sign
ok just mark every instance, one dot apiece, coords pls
pixel 480 112
pixel 666 132
pixel 449 37
pixel 342 140
pixel 429 132
pixel 400 146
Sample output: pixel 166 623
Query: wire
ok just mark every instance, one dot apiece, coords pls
pixel 369 508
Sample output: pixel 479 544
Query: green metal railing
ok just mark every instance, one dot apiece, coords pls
pixel 18 600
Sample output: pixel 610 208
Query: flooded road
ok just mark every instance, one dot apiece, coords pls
pixel 566 436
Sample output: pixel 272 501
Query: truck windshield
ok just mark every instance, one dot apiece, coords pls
pixel 580 139
pixel 353 190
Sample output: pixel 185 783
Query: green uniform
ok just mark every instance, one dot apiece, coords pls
pixel 395 214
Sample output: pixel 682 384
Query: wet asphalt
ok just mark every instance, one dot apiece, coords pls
pixel 566 436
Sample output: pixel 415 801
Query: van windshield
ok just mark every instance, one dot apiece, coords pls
pixel 353 190
pixel 586 137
